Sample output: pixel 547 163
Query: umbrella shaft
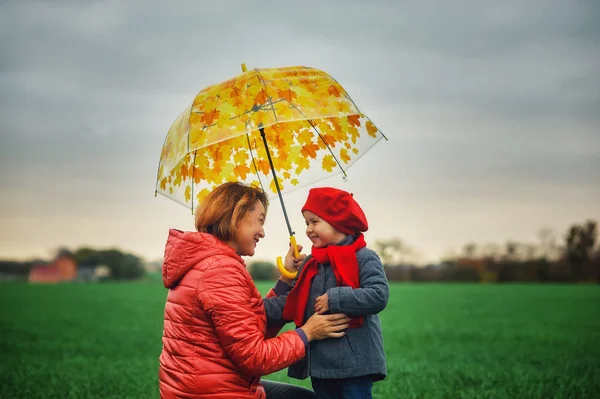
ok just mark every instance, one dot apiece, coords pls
pixel 287 221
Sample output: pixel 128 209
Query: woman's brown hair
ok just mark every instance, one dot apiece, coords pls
pixel 225 207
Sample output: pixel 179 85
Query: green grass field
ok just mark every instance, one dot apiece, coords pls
pixel 442 341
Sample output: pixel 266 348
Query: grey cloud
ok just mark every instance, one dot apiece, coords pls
pixel 99 82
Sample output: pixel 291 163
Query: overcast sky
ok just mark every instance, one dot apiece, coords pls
pixel 492 110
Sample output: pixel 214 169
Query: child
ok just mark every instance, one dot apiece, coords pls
pixel 340 276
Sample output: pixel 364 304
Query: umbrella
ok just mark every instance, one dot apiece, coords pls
pixel 278 128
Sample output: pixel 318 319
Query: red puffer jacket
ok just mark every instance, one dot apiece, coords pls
pixel 215 339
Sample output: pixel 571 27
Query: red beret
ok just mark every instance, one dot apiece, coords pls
pixel 338 208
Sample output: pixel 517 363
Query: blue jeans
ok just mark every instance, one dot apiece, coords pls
pixel 344 388
pixel 279 390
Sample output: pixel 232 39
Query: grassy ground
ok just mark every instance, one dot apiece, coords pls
pixel 442 341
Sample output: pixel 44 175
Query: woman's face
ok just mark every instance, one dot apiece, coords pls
pixel 250 230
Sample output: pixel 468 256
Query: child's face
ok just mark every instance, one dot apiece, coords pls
pixel 320 232
pixel 250 230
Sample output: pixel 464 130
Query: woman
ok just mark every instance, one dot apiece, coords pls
pixel 216 343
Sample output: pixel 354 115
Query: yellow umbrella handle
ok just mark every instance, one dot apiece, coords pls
pixel 280 265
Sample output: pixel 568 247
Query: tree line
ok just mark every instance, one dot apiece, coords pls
pixel 573 258
pixel 122 265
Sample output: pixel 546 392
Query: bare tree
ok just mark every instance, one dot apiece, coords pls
pixel 511 250
pixel 394 251
pixel 491 251
pixel 470 249
pixel 580 243
pixel 548 246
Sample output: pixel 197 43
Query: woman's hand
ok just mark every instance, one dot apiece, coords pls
pixel 292 264
pixel 325 326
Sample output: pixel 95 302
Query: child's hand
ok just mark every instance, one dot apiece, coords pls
pixel 292 264
pixel 322 304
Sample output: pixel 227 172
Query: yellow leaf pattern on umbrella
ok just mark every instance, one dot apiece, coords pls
pixel 312 127
pixel 371 129
pixel 303 164
pixel 273 187
pixel 328 163
pixel 198 175
pixel 241 171
pixel 344 155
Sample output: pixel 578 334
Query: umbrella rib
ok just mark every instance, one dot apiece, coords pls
pixel 355 106
pixel 345 92
pixel 188 127
pixel 322 139
pixel 254 162
pixel 250 111
pixel 192 179
pixel 164 142
pixel 329 148
pixel 158 169
pixel 265 88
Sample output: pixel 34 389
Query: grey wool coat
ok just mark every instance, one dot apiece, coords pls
pixel 360 352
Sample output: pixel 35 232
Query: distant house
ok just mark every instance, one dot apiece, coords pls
pixel 87 273
pixel 63 268
pixel 44 273
pixel 8 276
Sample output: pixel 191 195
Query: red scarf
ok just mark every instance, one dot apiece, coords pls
pixel 345 268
